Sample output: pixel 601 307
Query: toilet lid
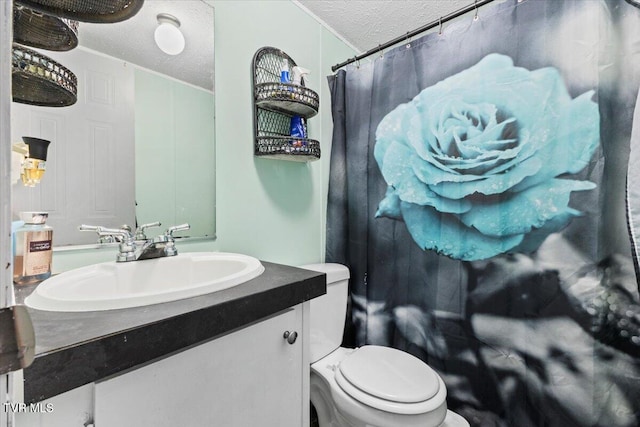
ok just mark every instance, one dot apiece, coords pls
pixel 390 374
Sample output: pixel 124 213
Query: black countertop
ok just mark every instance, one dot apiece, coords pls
pixel 73 349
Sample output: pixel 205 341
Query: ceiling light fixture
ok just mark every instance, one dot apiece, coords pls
pixel 168 36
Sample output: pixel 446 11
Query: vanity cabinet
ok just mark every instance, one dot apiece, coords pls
pixel 252 376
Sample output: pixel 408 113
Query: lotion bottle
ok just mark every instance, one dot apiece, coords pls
pixel 33 249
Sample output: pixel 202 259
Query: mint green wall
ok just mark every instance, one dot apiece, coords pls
pixel 271 209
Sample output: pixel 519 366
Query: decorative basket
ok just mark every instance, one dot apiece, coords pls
pixel 39 80
pixel 35 29
pixel 98 11
pixel 300 149
pixel 274 105
pixel 287 98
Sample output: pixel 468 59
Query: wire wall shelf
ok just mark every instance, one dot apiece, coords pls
pixel 275 103
pixel 39 80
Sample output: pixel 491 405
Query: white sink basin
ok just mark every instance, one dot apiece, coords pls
pixel 113 285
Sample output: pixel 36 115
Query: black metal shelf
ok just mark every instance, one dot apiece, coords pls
pixel 287 98
pixel 274 103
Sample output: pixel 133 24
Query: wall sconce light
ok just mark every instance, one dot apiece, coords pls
pixel 34 159
pixel 168 36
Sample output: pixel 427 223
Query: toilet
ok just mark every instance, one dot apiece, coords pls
pixel 371 386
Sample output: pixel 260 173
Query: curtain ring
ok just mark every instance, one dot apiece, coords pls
pixel 475 5
pixel 408 46
pixel 440 30
pixel 381 50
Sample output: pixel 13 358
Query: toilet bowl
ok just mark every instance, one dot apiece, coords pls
pixel 371 386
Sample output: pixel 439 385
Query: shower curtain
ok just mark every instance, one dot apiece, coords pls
pixel 479 195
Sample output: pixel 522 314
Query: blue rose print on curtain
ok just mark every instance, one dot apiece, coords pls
pixel 476 164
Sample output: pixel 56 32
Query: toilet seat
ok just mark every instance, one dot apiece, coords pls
pixel 390 380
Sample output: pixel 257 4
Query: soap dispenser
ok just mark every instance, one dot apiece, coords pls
pixel 33 249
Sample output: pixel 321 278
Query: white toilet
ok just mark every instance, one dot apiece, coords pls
pixel 370 386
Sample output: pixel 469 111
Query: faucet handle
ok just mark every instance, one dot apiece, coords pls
pixel 103 238
pixel 140 230
pixel 170 246
pixel 127 247
pixel 175 228
pixel 85 227
pixel 108 238
pixel 121 233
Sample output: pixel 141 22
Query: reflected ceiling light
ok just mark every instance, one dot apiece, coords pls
pixel 168 36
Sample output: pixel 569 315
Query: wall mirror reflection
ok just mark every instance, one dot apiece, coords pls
pixel 138 145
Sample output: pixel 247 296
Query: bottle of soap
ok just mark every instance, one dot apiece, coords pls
pixel 33 249
pixel 284 72
pixel 298 74
pixel 298 127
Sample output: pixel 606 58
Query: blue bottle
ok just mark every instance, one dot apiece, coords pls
pixel 298 128
pixel 284 72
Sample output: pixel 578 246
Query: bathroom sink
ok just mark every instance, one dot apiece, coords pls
pixel 114 285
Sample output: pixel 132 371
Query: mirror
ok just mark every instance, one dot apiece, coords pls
pixel 138 145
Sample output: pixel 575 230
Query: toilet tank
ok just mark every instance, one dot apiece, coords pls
pixel 328 312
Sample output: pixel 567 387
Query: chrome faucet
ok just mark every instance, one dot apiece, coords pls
pixel 136 246
pixel 140 230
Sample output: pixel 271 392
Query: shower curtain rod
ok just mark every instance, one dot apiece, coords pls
pixel 442 20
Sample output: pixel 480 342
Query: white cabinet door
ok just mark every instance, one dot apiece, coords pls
pixel 71 409
pixel 251 377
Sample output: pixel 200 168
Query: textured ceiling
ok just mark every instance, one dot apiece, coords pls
pixel 362 23
pixel 366 24
pixel 132 40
